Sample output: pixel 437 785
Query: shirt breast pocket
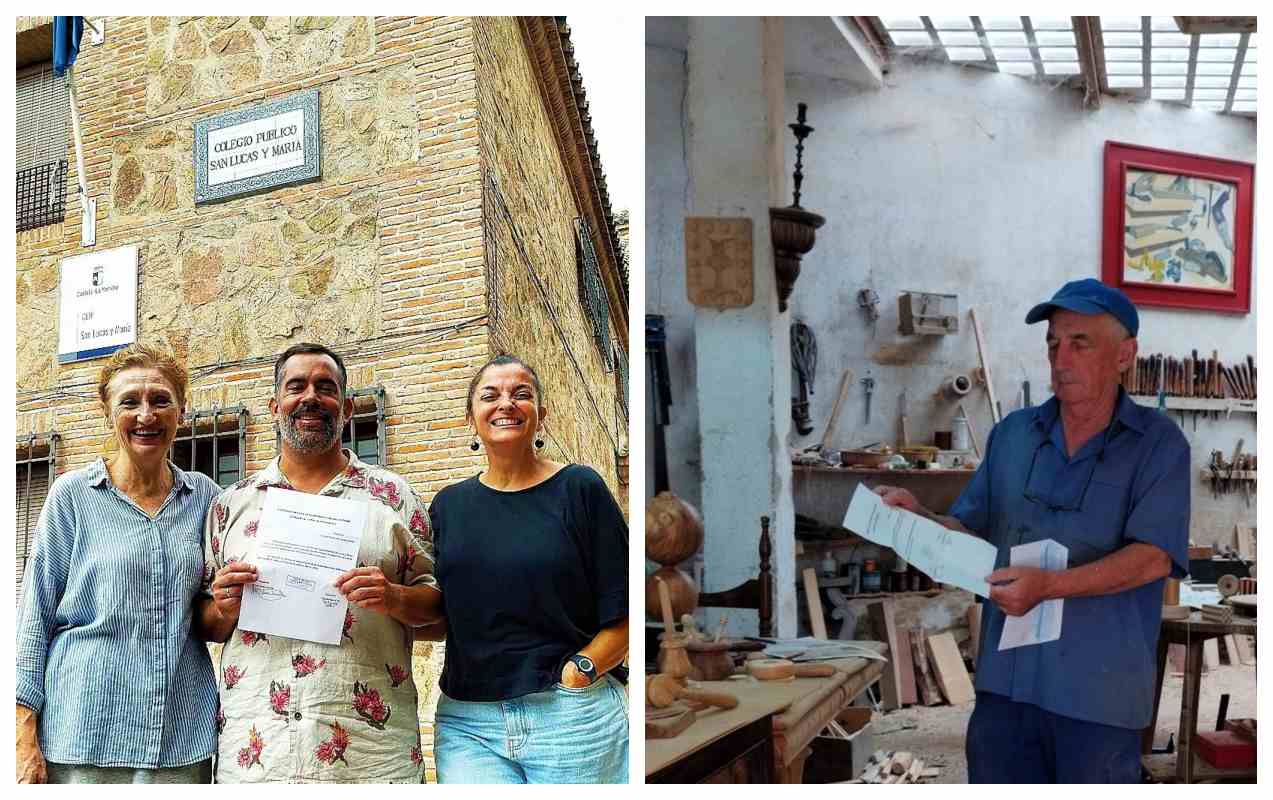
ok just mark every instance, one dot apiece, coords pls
pixel 1096 530
pixel 189 563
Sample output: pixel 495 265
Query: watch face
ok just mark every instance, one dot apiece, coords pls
pixel 585 664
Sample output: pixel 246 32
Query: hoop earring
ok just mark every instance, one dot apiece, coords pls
pixel 475 445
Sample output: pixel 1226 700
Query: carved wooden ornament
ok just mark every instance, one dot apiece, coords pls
pixel 718 261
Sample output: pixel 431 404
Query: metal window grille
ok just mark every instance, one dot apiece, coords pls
pixel 43 109
pixel 364 432
pixel 36 468
pixel 213 441
pixel 592 291
pixel 621 371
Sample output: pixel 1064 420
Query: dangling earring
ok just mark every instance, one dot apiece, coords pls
pixel 474 445
pixel 539 441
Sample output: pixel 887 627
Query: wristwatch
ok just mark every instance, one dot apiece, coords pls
pixel 585 667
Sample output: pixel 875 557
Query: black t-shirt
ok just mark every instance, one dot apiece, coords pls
pixel 527 577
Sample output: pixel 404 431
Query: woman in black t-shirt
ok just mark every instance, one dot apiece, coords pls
pixel 532 560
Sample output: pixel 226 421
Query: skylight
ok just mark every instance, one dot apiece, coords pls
pixel 1146 57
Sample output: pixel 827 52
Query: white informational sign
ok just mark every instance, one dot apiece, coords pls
pixel 258 147
pixel 944 555
pixel 306 542
pixel 1043 622
pixel 97 307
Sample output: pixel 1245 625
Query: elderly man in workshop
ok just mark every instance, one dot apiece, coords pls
pixel 1109 480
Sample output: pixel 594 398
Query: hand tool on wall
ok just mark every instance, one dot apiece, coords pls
pixel 845 380
pixel 804 360
pixel 904 433
pixel 869 384
pixel 985 366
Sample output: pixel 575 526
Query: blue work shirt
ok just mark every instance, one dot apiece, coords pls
pixel 1129 483
pixel 104 654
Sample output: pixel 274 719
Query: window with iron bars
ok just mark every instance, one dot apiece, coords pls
pixel 213 441
pixel 592 291
pixel 364 432
pixel 621 376
pixel 36 469
pixel 43 111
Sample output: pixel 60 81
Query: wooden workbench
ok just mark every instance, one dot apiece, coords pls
pixel 1191 633
pixel 778 719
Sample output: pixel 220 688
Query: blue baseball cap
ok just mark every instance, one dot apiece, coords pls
pixel 1089 296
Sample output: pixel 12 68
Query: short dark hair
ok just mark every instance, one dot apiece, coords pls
pixel 499 361
pixel 305 348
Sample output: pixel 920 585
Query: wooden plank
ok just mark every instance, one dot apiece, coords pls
pixel 949 666
pixel 1246 650
pixel 1176 655
pixel 907 692
pixel 1211 654
pixel 881 615
pixel 974 631
pixel 817 623
pixel 928 690
pixel 1245 535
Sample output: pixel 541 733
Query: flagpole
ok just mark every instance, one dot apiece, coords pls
pixel 88 208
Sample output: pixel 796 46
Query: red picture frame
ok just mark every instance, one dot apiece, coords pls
pixel 1171 264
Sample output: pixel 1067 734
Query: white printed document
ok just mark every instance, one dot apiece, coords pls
pixel 306 542
pixel 1043 622
pixel 944 555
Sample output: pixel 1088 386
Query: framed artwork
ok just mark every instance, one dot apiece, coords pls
pixel 1177 228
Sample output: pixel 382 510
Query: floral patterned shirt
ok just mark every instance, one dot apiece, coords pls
pixel 297 711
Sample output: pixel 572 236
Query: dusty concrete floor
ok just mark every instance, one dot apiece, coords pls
pixel 938 735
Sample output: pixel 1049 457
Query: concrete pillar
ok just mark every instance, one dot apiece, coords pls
pixel 735 160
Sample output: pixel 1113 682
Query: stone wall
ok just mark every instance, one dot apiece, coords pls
pixel 529 214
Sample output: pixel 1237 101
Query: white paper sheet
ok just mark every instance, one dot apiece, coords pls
pixel 1043 622
pixel 944 555
pixel 306 542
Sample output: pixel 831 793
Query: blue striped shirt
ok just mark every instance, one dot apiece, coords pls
pixel 104 650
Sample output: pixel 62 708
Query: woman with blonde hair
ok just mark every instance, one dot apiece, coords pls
pixel 532 560
pixel 111 688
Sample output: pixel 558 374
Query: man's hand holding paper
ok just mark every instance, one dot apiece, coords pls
pixel 308 543
pixel 946 555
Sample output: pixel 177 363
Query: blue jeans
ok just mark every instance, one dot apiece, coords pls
pixel 1011 742
pixel 556 736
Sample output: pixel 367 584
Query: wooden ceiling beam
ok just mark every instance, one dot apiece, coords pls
pixel 1216 24
pixel 1087 35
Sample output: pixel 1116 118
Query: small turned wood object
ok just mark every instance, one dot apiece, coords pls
pixel 709 661
pixel 662 691
pixel 680 587
pixel 672 658
pixel 776 669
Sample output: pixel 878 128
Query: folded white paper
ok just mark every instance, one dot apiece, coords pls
pixel 944 555
pixel 1043 622
pixel 306 542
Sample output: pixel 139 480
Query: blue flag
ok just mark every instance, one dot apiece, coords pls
pixel 66 42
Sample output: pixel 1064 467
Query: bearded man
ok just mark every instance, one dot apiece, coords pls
pixel 296 711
